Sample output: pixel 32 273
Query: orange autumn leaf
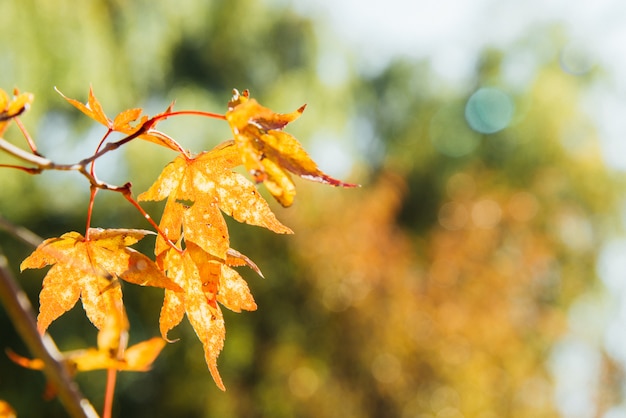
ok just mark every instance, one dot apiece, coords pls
pixel 87 269
pixel 123 121
pixel 220 283
pixel 269 153
pixel 6 411
pixel 171 224
pixel 198 190
pixel 207 321
pixel 113 336
pixel 206 281
pixel 111 352
pixel 12 107
pixel 92 108
pixel 233 291
pixel 138 358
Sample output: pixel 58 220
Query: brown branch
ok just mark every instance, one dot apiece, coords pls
pixel 22 316
pixel 191 113
pixel 29 170
pixel 128 196
pixel 29 139
pixel 36 160
pixel 42 163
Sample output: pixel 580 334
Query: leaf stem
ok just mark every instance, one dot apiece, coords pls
pixel 109 393
pixel 27 136
pixel 29 170
pixel 190 113
pixel 93 187
pixel 127 194
pixel 93 163
pixel 92 197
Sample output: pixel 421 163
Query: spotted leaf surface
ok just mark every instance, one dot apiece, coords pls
pixel 88 269
pixel 268 153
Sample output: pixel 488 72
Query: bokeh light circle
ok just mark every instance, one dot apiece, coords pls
pixel 575 59
pixel 489 110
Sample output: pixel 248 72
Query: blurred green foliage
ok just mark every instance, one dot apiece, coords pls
pixel 435 290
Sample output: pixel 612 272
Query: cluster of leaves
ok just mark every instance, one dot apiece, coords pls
pixel 193 258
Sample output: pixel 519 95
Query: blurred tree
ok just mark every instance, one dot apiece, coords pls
pixel 448 282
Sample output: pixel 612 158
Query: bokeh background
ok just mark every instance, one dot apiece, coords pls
pixel 478 272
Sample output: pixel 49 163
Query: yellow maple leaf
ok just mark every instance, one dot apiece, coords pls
pixel 207 321
pixel 111 352
pixel 12 107
pixel 123 121
pixel 87 269
pixel 205 281
pixel 137 358
pixel 269 153
pixel 198 190
pixel 6 411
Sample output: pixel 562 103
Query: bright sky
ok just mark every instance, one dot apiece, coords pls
pixel 450 33
pixel 383 29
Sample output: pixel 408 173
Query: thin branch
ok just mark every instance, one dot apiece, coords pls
pixel 29 139
pixel 190 113
pixel 109 393
pixel 40 162
pixel 111 146
pixel 29 170
pixel 43 163
pixel 92 196
pixel 128 196
pixel 22 316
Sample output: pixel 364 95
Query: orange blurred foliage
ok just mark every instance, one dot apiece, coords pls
pixel 457 323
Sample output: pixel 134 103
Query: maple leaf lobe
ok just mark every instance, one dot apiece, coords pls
pixel 87 269
pixel 267 152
